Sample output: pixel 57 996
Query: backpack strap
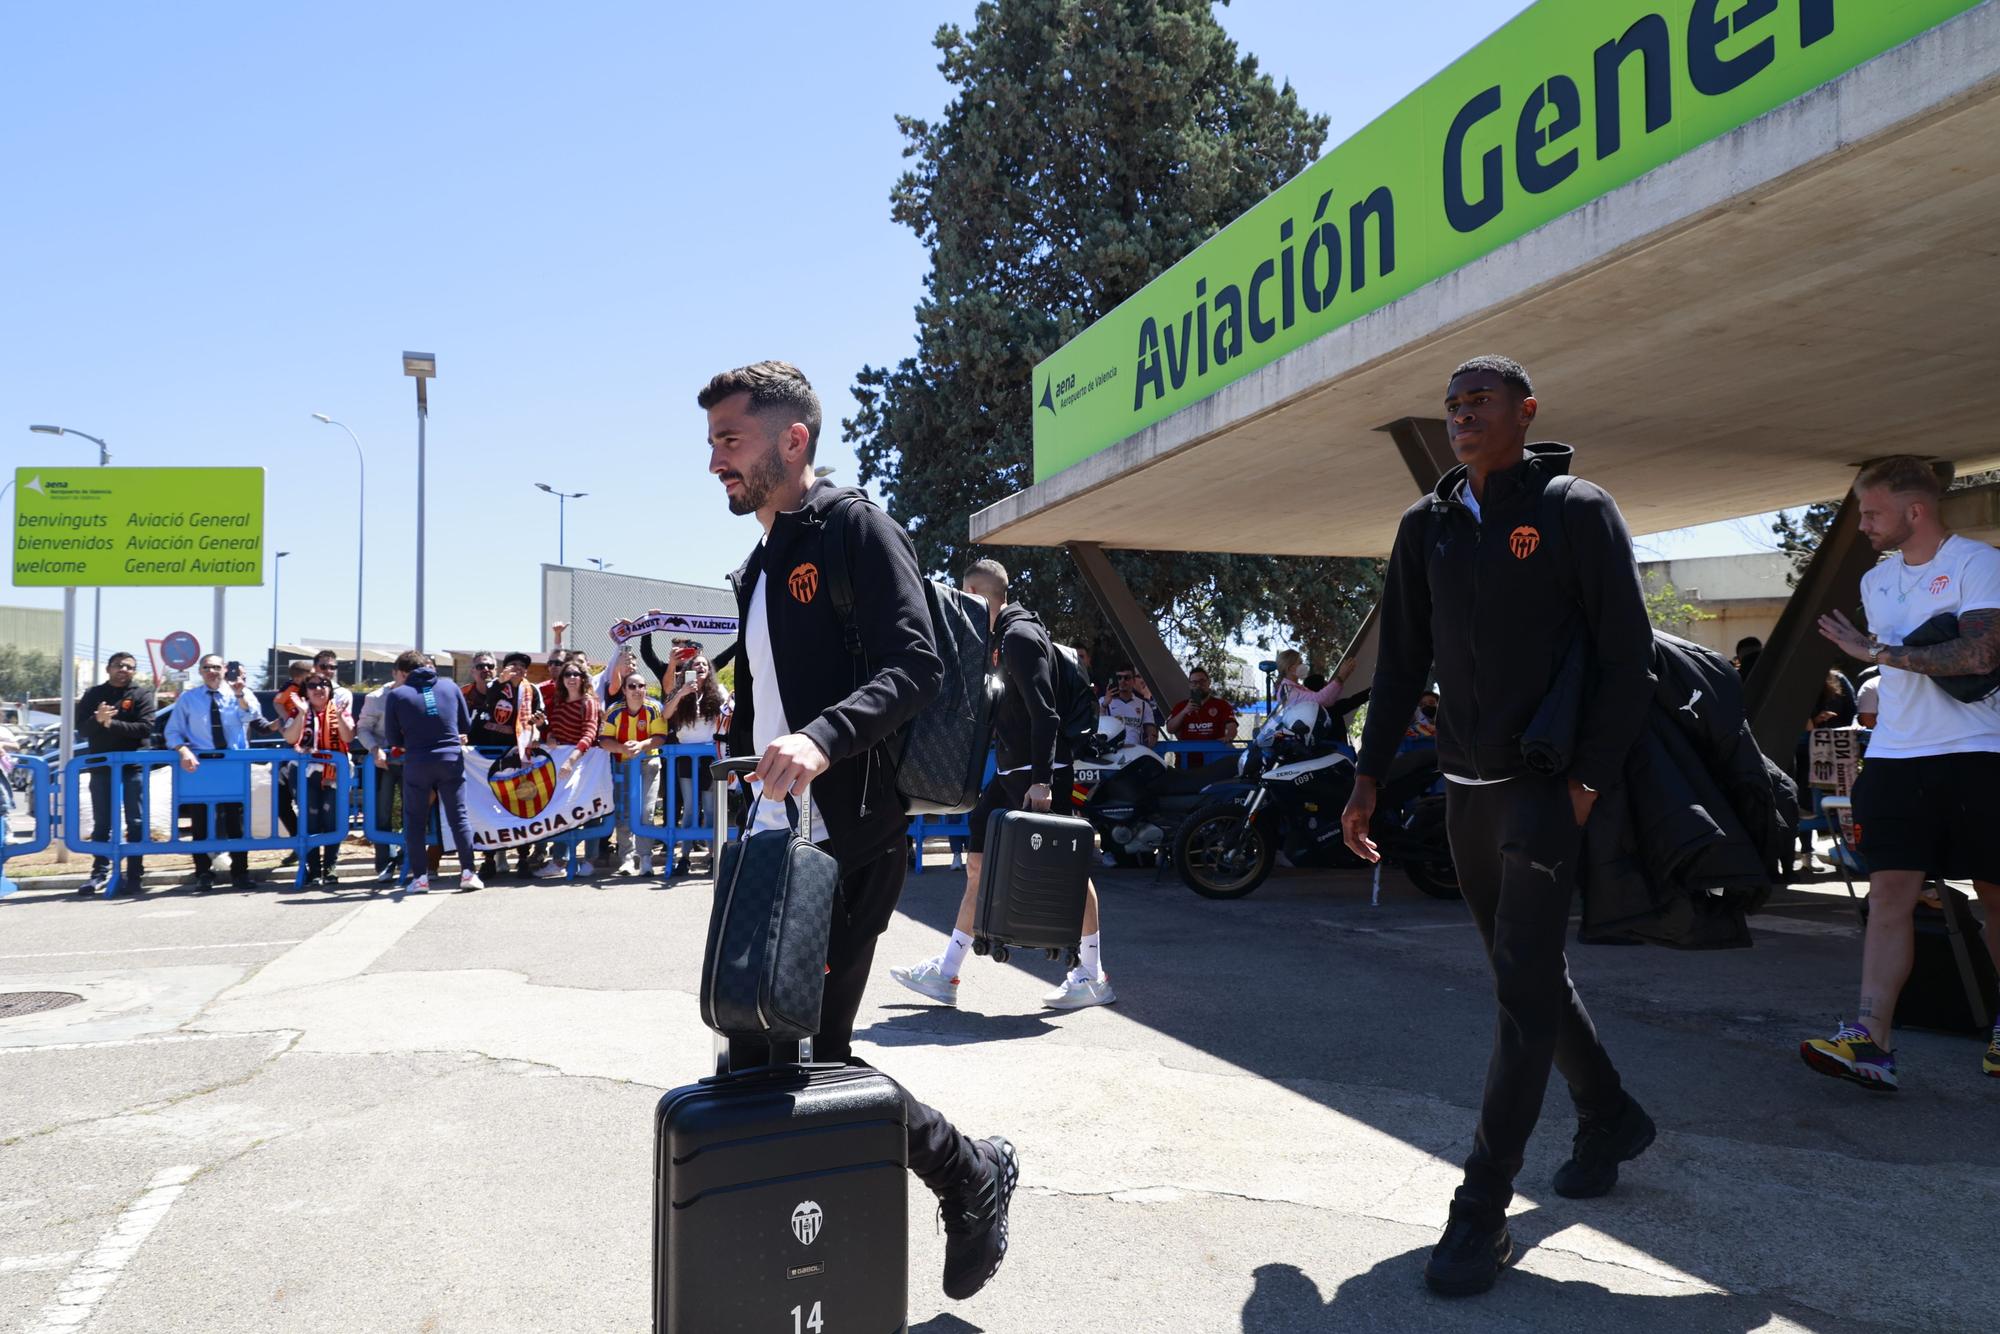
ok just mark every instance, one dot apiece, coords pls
pixel 1553 497
pixel 839 583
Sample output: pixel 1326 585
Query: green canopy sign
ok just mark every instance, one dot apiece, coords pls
pixel 1570 100
pixel 138 527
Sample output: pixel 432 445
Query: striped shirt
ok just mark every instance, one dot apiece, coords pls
pixel 575 722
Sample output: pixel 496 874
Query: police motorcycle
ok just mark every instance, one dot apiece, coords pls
pixel 1296 778
pixel 1136 799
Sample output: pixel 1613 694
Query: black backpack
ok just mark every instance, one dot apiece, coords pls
pixel 941 753
pixel 1076 702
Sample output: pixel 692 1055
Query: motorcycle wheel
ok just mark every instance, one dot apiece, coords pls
pixel 1438 879
pixel 1220 856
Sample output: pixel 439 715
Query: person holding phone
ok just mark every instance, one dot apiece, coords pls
pixel 321 728
pixel 697 714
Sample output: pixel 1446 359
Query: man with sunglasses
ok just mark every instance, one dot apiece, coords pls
pixel 116 715
pixel 1131 703
pixel 212 716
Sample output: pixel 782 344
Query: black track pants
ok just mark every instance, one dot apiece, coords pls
pixel 1516 845
pixel 939 1154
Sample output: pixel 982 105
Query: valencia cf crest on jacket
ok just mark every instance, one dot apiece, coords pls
pixel 524 787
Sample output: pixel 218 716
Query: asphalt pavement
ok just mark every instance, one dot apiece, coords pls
pixel 276 1110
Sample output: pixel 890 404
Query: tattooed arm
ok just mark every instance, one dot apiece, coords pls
pixel 1975 652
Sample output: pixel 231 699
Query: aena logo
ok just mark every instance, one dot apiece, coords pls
pixel 807 1221
pixel 35 485
pixel 1049 395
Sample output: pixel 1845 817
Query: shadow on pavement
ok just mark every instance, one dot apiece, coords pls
pixel 1307 986
pixel 948 1027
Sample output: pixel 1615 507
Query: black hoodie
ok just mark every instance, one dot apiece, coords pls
pixel 849 705
pixel 1495 603
pixel 1025 723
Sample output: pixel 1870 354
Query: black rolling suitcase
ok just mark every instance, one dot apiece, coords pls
pixel 1032 883
pixel 780 1187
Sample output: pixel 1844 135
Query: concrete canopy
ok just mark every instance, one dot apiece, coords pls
pixel 1727 335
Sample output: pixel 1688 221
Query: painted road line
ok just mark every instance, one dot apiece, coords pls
pixel 157 949
pixel 29 1264
pixel 96 1274
pixel 283 1036
pixel 341 950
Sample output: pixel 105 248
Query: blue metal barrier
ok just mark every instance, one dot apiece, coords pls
pixel 680 818
pixel 222 778
pixel 40 799
pixel 567 842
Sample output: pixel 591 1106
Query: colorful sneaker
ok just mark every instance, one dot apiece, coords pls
pixel 1078 993
pixel 928 979
pixel 1992 1064
pixel 1852 1054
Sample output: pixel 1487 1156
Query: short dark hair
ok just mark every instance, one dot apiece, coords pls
pixel 299 669
pixel 1749 644
pixel 1198 668
pixel 774 387
pixel 1508 369
pixel 409 660
pixel 517 656
pixel 117 658
pixel 326 653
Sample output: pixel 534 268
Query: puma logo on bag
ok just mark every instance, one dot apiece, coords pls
pixel 1549 871
pixel 1689 709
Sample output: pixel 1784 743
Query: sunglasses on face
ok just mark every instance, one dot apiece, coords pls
pixel 317 687
pixel 572 676
pixel 482 667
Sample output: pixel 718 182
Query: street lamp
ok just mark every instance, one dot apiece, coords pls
pixel 599 561
pixel 96 594
pixel 562 500
pixel 422 367
pixel 360 530
pixel 277 569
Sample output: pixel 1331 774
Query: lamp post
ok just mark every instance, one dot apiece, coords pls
pixel 562 500
pixel 277 569
pixel 599 561
pixel 422 367
pixel 96 594
pixel 360 530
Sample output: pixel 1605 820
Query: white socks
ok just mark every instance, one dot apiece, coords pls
pixel 954 954
pixel 1090 966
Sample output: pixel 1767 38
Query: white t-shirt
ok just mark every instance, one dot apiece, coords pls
pixel 1135 713
pixel 1916 717
pixel 768 706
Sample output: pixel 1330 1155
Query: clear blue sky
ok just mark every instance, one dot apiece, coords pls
pixel 228 217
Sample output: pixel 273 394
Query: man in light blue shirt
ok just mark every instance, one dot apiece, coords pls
pixel 214 716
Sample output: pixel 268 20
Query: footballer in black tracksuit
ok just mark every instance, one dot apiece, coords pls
pixel 852 712
pixel 1492 590
pixel 1027 744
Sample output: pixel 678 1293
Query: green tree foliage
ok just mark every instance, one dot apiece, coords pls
pixel 28 674
pixel 1668 607
pixel 1090 145
pixel 1799 533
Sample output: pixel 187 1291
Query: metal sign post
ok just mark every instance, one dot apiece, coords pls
pixel 66 724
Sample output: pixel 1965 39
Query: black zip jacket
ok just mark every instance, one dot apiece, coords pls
pixel 1495 604
pixel 848 705
pixel 131 725
pixel 1025 724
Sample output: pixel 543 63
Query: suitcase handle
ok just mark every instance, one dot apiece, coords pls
pixel 742 766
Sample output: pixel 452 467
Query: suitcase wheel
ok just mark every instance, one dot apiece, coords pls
pixel 1001 954
pixel 981 946
pixel 1053 954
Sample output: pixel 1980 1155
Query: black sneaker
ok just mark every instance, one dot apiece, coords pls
pixel 975 1219
pixel 91 886
pixel 1603 1142
pixel 1467 1260
pixel 204 881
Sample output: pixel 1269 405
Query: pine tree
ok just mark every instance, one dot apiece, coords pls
pixel 1091 144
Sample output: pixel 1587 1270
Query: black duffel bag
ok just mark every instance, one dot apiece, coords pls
pixel 764 972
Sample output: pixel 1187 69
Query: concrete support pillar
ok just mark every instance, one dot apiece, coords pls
pixel 1426 452
pixel 1785 684
pixel 1135 630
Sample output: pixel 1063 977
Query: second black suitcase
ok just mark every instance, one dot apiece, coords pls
pixel 1032 883
pixel 781 1204
pixel 1951 985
